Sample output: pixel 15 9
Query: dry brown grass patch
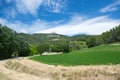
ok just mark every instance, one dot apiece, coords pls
pixel 102 72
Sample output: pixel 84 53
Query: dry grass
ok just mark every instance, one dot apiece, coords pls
pixel 50 72
pixel 3 77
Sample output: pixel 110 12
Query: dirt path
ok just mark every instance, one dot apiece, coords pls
pixel 24 69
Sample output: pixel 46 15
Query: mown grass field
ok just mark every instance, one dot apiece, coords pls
pixel 105 54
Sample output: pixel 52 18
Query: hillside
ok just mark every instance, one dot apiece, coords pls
pixel 80 37
pixel 42 38
pixel 105 54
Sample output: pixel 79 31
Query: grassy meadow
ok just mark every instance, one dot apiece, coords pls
pixel 104 54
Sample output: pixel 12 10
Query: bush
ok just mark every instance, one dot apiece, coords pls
pixel 65 48
pixel 91 42
pixel 43 48
pixel 33 49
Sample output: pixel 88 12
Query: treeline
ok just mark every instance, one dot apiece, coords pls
pixel 54 46
pixel 81 37
pixel 107 37
pixel 13 44
pixel 42 38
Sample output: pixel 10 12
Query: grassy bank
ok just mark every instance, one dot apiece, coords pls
pixel 105 54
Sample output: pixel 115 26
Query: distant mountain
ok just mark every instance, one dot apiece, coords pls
pixel 43 38
pixel 81 37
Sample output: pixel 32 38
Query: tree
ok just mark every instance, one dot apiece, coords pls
pixel 107 37
pixel 65 47
pixel 112 35
pixel 7 45
pixel 33 49
pixel 43 48
pixel 23 49
pixel 11 43
pixel 91 42
pixel 76 45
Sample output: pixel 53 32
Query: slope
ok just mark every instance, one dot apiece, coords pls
pixel 105 54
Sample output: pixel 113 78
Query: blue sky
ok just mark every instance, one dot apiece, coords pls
pixel 68 17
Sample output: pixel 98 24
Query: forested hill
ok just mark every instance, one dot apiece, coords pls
pixel 111 36
pixel 43 38
pixel 21 44
pixel 80 37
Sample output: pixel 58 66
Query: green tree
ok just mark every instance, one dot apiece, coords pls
pixel 7 45
pixel 91 42
pixel 65 47
pixel 23 49
pixel 33 49
pixel 43 48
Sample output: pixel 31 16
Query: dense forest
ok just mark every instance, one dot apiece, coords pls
pixel 42 38
pixel 14 44
pixel 107 37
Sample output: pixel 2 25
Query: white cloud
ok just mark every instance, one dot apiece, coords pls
pixel 26 28
pixel 92 26
pixel 37 25
pixel 54 5
pixel 25 6
pixel 32 6
pixel 77 19
pixel 112 7
pixel 83 25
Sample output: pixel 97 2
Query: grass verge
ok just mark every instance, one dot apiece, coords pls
pixel 101 55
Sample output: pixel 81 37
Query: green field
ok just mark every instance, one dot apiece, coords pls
pixel 105 54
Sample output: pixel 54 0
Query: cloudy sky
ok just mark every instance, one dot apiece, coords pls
pixel 68 17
